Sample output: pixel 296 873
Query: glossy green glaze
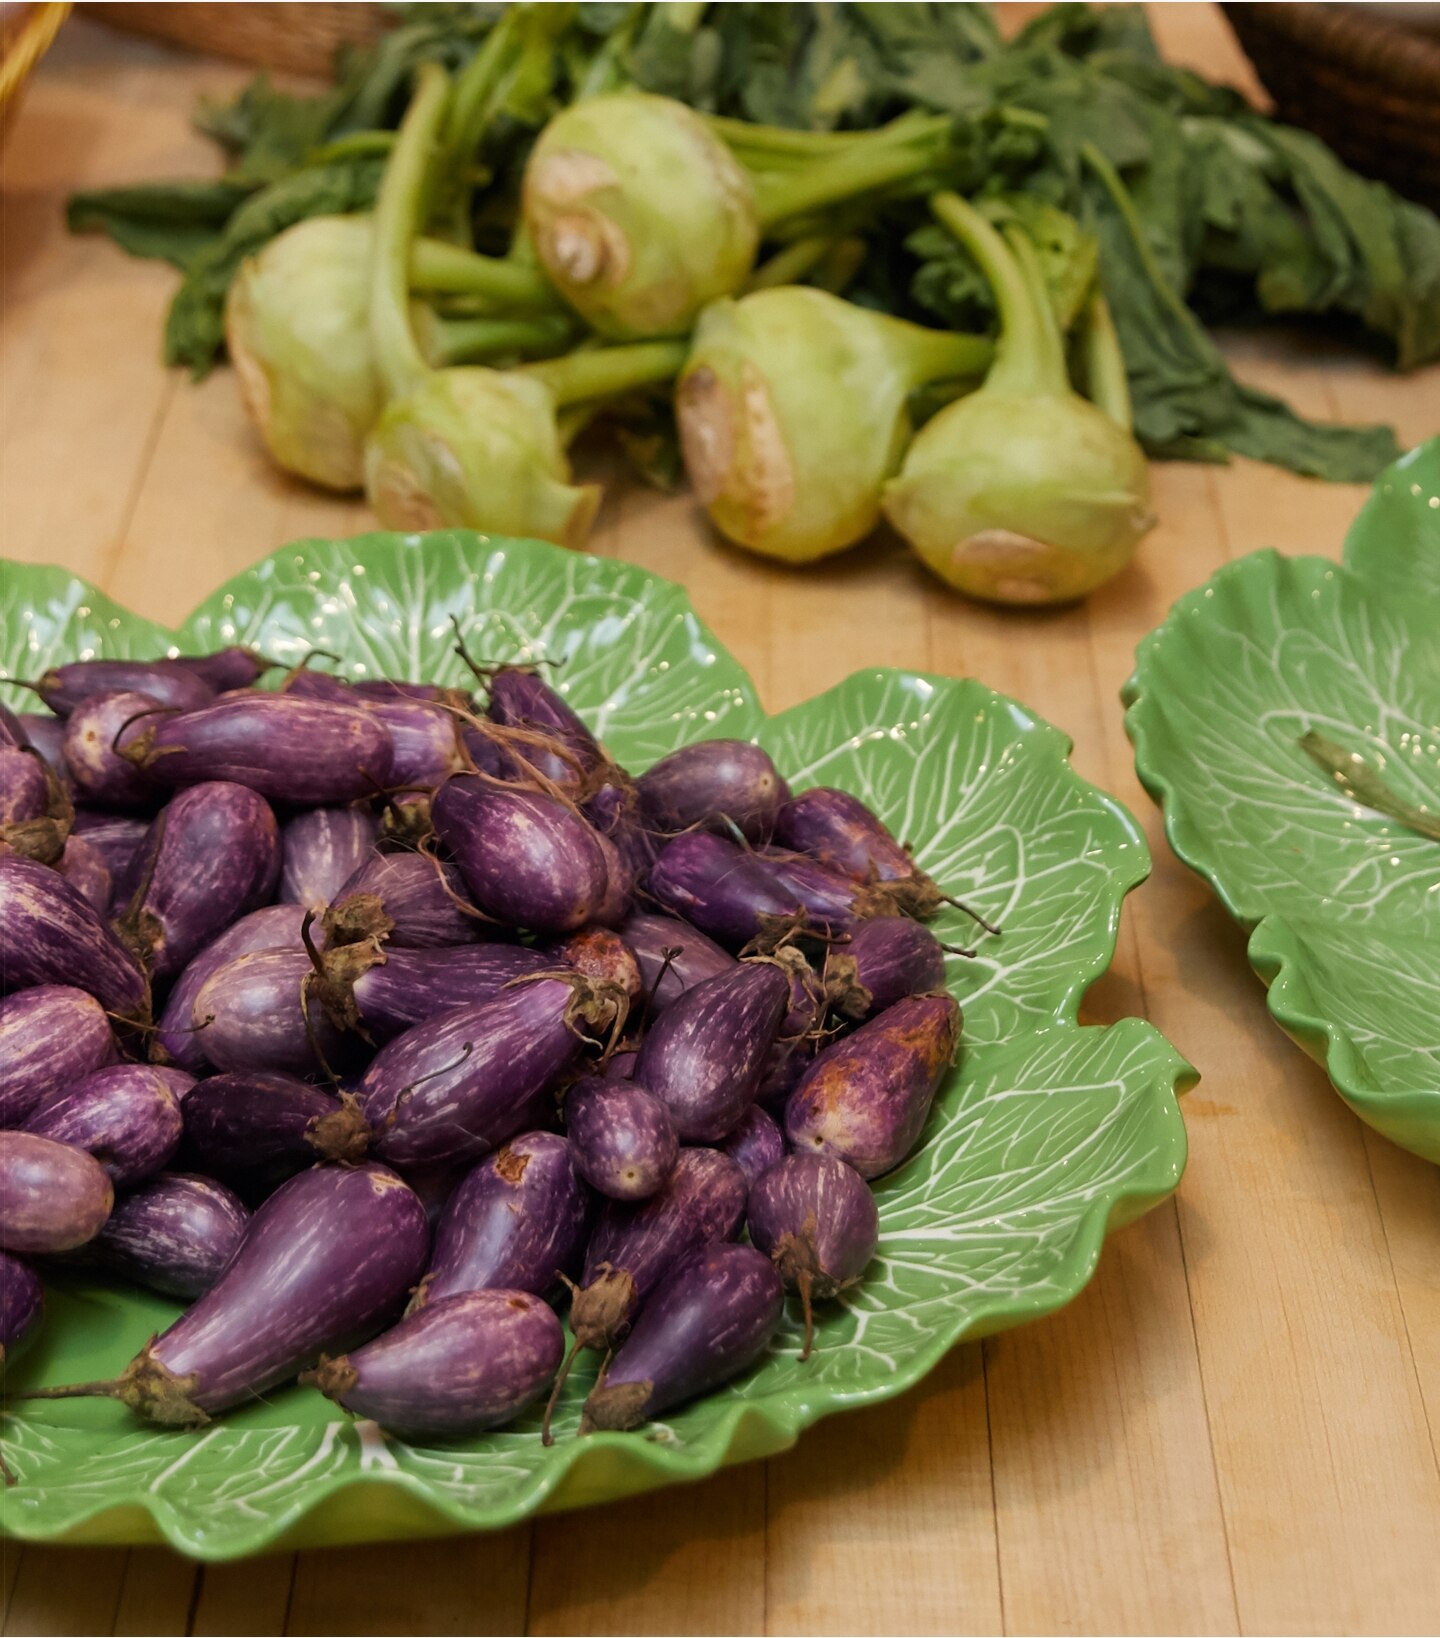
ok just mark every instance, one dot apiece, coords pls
pixel 1045 1136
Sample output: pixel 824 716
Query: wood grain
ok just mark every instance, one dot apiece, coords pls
pixel 1235 1428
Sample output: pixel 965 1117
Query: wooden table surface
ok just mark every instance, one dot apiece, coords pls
pixel 1232 1429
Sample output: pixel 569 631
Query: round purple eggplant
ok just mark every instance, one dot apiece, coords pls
pixel 325 1263
pixel 100 775
pixel 227 668
pixel 528 859
pixel 453 1369
pixel 53 1196
pixel 214 857
pixel 321 850
pixel 251 1014
pixel 119 839
pixel 724 890
pixel 815 1218
pixel 51 935
pixel 403 988
pixel 22 1305
pixel 126 1116
pixel 413 901
pixel 601 954
pixel 756 1144
pixel 43 732
pixel 83 867
pixel 425 740
pixel 703 1056
pixel 882 962
pixel 174 1234
pixel 169 684
pixel 720 784
pixel 255 1130
pixel 864 1100
pixel 50 1037
pixel 673 956
pixel 289 749
pixel 709 1319
pixel 623 1138
pixel 519 1220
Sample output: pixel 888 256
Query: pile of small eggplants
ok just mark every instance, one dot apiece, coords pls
pixel 376 1020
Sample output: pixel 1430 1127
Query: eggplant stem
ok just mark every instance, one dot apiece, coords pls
pixel 75 1390
pixel 150 711
pixel 990 927
pixel 406 1091
pixel 802 1285
pixel 310 1034
pixel 303 664
pixel 669 955
pixel 307 939
pixel 547 1438
pixel 425 847
pixel 960 950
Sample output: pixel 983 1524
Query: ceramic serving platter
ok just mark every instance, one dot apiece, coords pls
pixel 1341 901
pixel 1046 1136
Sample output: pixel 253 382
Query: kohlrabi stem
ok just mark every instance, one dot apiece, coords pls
pixel 1049 338
pixel 451 270
pixel 357 145
pixel 397 209
pixel 475 85
pixel 1106 383
pixel 934 355
pixel 876 162
pixel 745 137
pixel 837 268
pixel 790 264
pixel 603 372
pixel 458 341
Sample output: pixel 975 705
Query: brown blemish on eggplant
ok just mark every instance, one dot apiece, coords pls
pixel 510 1164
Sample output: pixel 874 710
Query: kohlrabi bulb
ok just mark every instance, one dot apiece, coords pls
pixel 639 213
pixel 477 449
pixel 792 412
pixel 297 323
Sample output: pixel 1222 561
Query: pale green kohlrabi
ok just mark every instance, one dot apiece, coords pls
pixel 472 447
pixel 1024 492
pixel 792 412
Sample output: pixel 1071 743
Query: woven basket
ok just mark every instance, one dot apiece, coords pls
pixel 25 36
pixel 295 39
pixel 1365 78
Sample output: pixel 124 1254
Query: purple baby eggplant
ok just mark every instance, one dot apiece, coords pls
pixel 214 857
pixel 815 1218
pixel 832 902
pixel 601 954
pixel 416 904
pixel 321 850
pixel 881 963
pixel 519 1220
pixel 614 811
pixel 43 732
pixel 36 812
pixel 724 890
pixel 289 749
pixel 424 738
pixel 721 784
pixel 83 867
pixel 390 688
pixel 180 1081
pixel 12 729
pixel 703 1056
pixel 120 840
pixel 618 899
pixel 100 775
pixel 126 1116
pixel 523 700
pixel 53 1196
pixel 451 1370
pixel 623 1138
pixel 325 1263
pixel 251 1014
pixel 864 1100
pixel 403 988
pixel 709 1319
pixel 227 668
pixel 755 1145
pixel 169 684
pixel 174 1234
pixel 668 975
pixel 22 1305
pixel 50 1037
pixel 528 859
pixel 255 1130
pixel 51 935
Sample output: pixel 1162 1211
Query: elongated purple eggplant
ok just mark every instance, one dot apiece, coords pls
pixel 255 1130
pixel 251 1014
pixel 99 773
pixel 391 688
pixel 668 975
pixel 815 1218
pixel 325 1264
pixel 53 1196
pixel 304 683
pixel 618 899
pixel 622 1136
pixel 523 700
pixel 22 1306
pixel 709 1319
pixel 602 954
pixel 322 850
pixel 50 1037
pixel 289 749
pixel 519 1220
pixel 51 935
pixel 44 732
pixel 180 1081
pixel 126 1116
pixel 882 962
pixel 119 839
pixel 463 1083
pixel 83 867
pixel 755 1145
pixel 455 1368
pixel 413 901
pixel 215 856
pixel 528 859
pixel 173 686
pixel 177 1041
pixel 831 900
pixel 12 729
pixel 724 890
pixel 722 784
pixel 864 1100
pixel 425 739
pixel 406 987
pixel 227 668
pixel 703 1056
pixel 174 1234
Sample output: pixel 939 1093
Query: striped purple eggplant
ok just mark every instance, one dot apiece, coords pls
pixel 831 900
pixel 723 889
pixel 174 1234
pixel 289 749
pixel 53 1196
pixel 22 1305
pixel 523 700
pixel 402 988
pixel 100 775
pixel 667 976
pixel 864 1100
pixel 755 1145
pixel 119 839
pixel 704 1055
pixel 171 685
pixel 321 850
pixel 722 784
pixel 51 935
pixel 815 1218
pixel 881 963
pixel 214 857
pixel 125 1115
pixel 326 1263
pixel 424 738
pixel 227 668
pixel 619 1066
pixel 390 688
pixel 180 1081
pixel 618 899
pixel 44 732
pixel 614 811
pixel 251 1014
pixel 709 1319
pixel 622 1136
pixel 519 1219
pixel 50 1037
pixel 255 1130
pixel 451 1370
pixel 417 904
pixel 83 867
pixel 176 1040
pixel 528 859
pixel 601 954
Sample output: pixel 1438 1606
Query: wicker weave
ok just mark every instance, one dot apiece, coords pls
pixel 1366 83
pixel 297 39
